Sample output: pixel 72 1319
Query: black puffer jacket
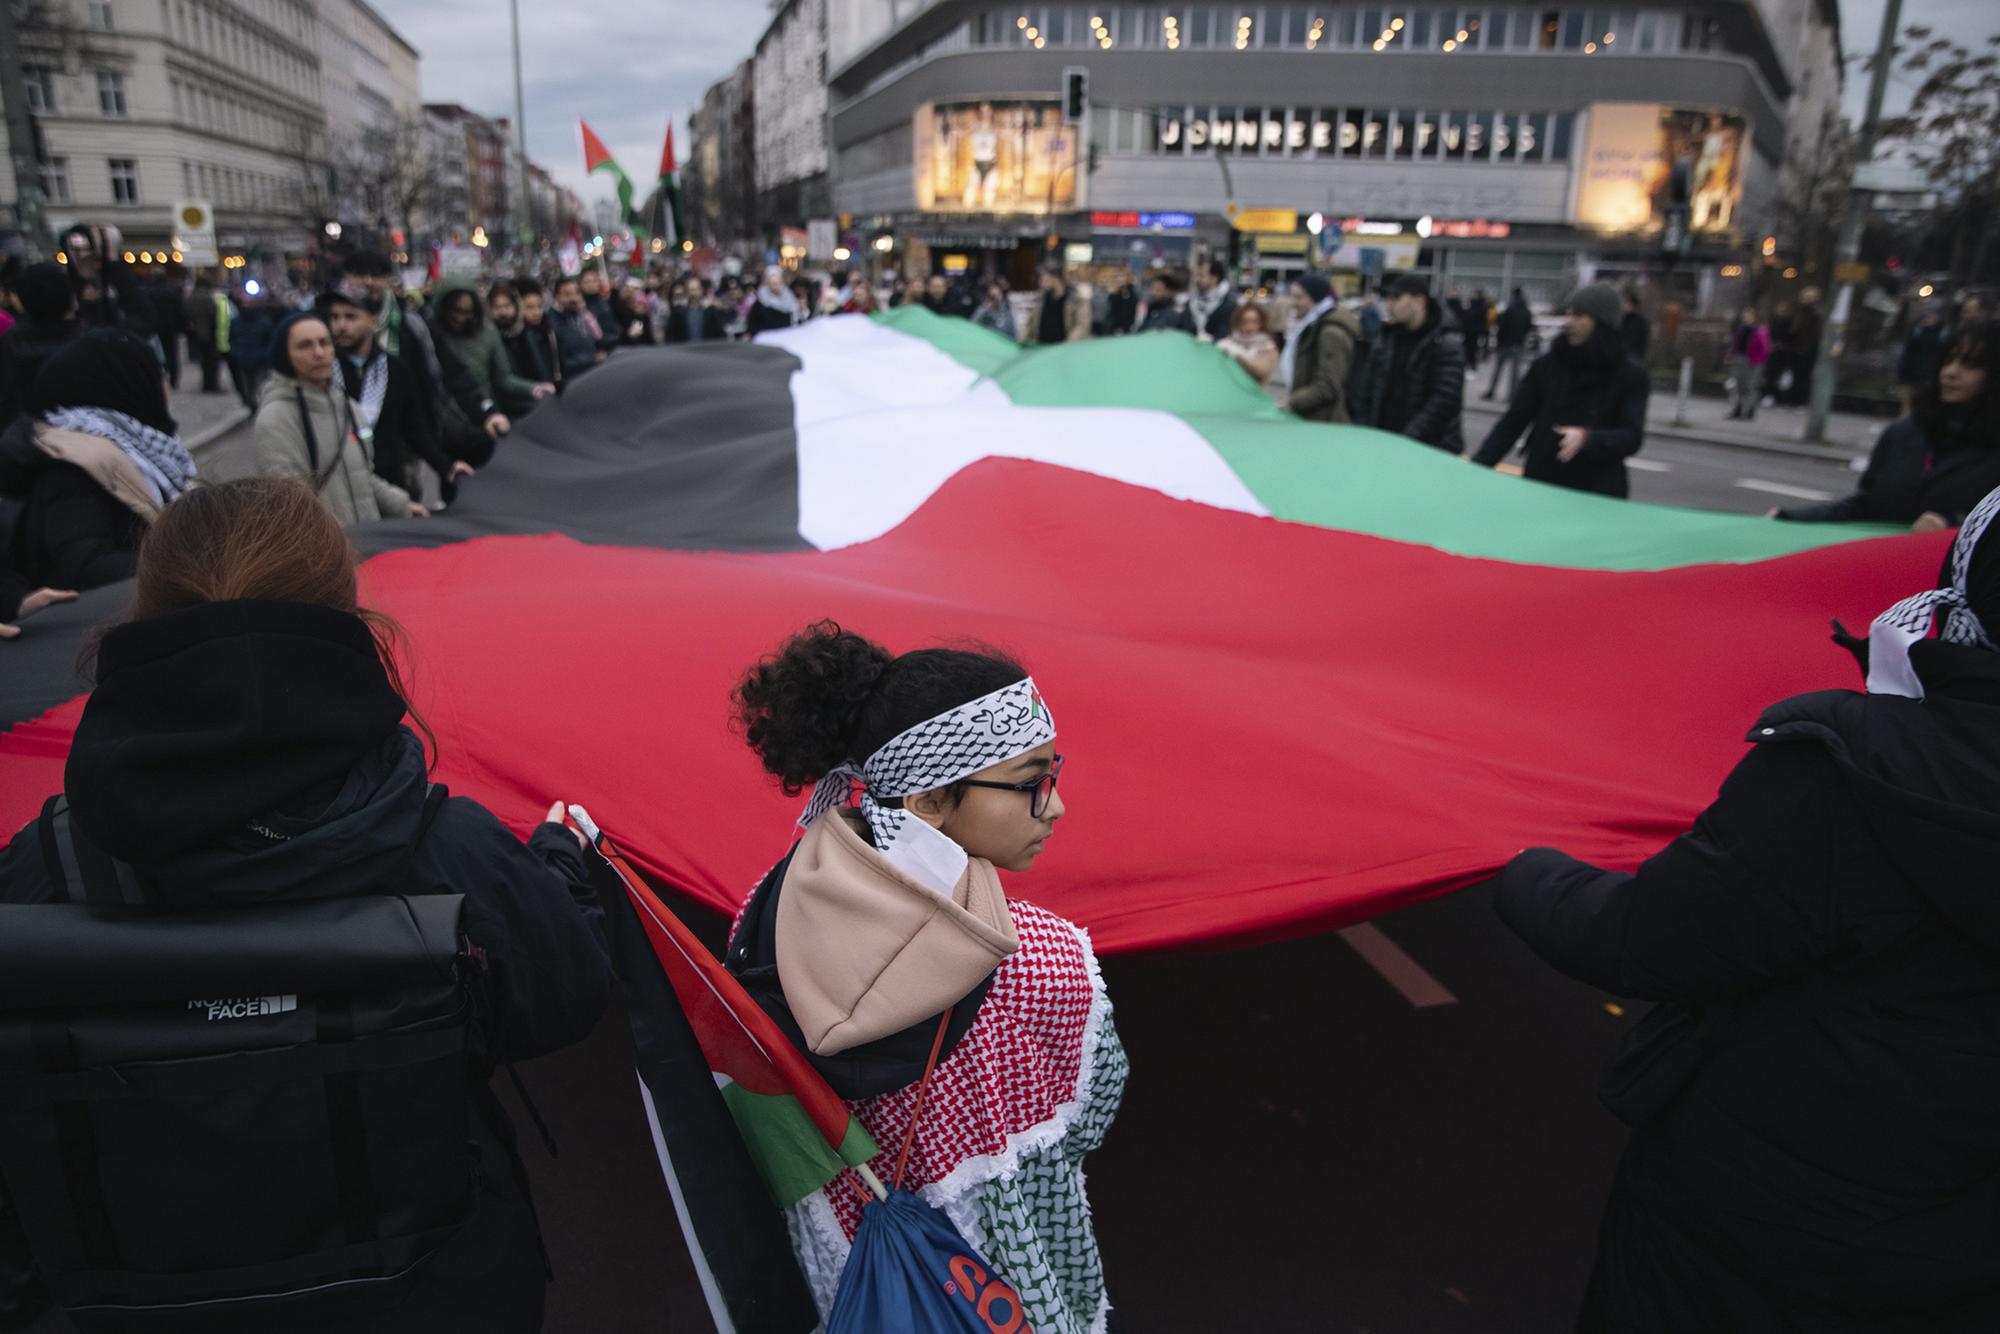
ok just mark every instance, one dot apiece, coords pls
pixel 1596 387
pixel 1910 474
pixel 246 752
pixel 1833 1165
pixel 61 529
pixel 1412 382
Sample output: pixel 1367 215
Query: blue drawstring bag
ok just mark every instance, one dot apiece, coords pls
pixel 910 1272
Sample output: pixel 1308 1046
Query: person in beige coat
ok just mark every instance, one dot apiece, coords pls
pixel 306 429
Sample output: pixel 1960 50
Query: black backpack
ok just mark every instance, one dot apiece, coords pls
pixel 213 1115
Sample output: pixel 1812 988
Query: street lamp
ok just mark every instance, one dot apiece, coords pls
pixel 333 231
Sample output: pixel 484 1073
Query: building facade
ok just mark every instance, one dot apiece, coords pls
pixel 789 93
pixel 140 104
pixel 1490 146
pixel 472 174
pixel 720 180
pixel 374 115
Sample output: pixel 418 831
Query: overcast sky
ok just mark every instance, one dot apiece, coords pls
pixel 626 68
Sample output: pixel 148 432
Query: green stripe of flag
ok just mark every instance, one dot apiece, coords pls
pixel 790 1153
pixel 1361 480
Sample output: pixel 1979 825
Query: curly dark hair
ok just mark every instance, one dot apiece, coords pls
pixel 829 695
pixel 1976 345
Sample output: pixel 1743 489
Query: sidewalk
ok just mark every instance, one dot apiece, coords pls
pixel 1774 430
pixel 205 418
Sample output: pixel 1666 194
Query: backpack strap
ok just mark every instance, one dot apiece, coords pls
pixel 81 871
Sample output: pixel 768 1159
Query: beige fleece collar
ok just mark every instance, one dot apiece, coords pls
pixel 107 465
pixel 865 951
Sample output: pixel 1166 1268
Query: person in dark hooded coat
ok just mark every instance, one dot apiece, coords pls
pixel 48 320
pixel 1582 404
pixel 245 745
pixel 1817 1092
pixel 92 466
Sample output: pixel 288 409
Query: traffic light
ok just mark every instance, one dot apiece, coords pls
pixel 1076 94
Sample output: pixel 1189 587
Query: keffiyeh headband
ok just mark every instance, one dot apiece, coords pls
pixel 1895 630
pixel 956 744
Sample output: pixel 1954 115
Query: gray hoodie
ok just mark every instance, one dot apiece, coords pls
pixel 298 428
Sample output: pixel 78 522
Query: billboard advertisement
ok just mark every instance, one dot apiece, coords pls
pixel 991 156
pixel 1648 167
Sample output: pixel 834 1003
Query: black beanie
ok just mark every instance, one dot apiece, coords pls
pixel 1315 286
pixel 46 296
pixel 281 339
pixel 106 369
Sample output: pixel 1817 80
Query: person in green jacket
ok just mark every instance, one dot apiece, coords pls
pixel 482 393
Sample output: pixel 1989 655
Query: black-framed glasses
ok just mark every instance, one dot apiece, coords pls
pixel 1039 790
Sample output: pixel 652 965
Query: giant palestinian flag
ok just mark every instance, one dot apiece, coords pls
pixel 1306 674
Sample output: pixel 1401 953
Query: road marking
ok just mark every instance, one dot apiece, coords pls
pixel 1397 968
pixel 1780 489
pixel 1649 465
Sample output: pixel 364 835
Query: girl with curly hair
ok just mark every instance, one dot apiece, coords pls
pixel 884 944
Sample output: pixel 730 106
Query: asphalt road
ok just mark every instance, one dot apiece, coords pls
pixel 1389 1131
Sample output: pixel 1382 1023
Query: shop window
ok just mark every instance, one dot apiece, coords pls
pixel 1493 30
pixel 1057 31
pixel 1560 131
pixel 1420 29
pixel 1145 130
pixel 1573 31
pixel 1402 133
pixel 1550 35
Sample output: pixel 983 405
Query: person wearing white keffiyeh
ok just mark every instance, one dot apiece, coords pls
pixel 886 930
pixel 94 466
pixel 1815 1095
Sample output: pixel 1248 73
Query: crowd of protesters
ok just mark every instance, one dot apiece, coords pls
pixel 1812 1101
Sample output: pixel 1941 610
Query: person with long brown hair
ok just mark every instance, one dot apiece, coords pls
pixel 245 748
pixel 1929 468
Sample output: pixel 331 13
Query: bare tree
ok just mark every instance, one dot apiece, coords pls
pixel 388 172
pixel 1952 134
pixel 1812 192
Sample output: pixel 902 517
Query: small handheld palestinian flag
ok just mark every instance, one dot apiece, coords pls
pixel 596 157
pixel 671 228
pixel 701 1040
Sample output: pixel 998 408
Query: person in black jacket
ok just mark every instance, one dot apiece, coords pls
pixel 93 465
pixel 1411 381
pixel 245 745
pixel 1210 302
pixel 1510 342
pixel 577 335
pixel 48 321
pixel 1929 469
pixel 1583 404
pixel 1164 313
pixel 696 319
pixel 530 355
pixel 1635 329
pixel 1816 1095
pixel 389 405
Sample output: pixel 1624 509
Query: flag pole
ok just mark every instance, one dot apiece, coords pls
pixel 527 225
